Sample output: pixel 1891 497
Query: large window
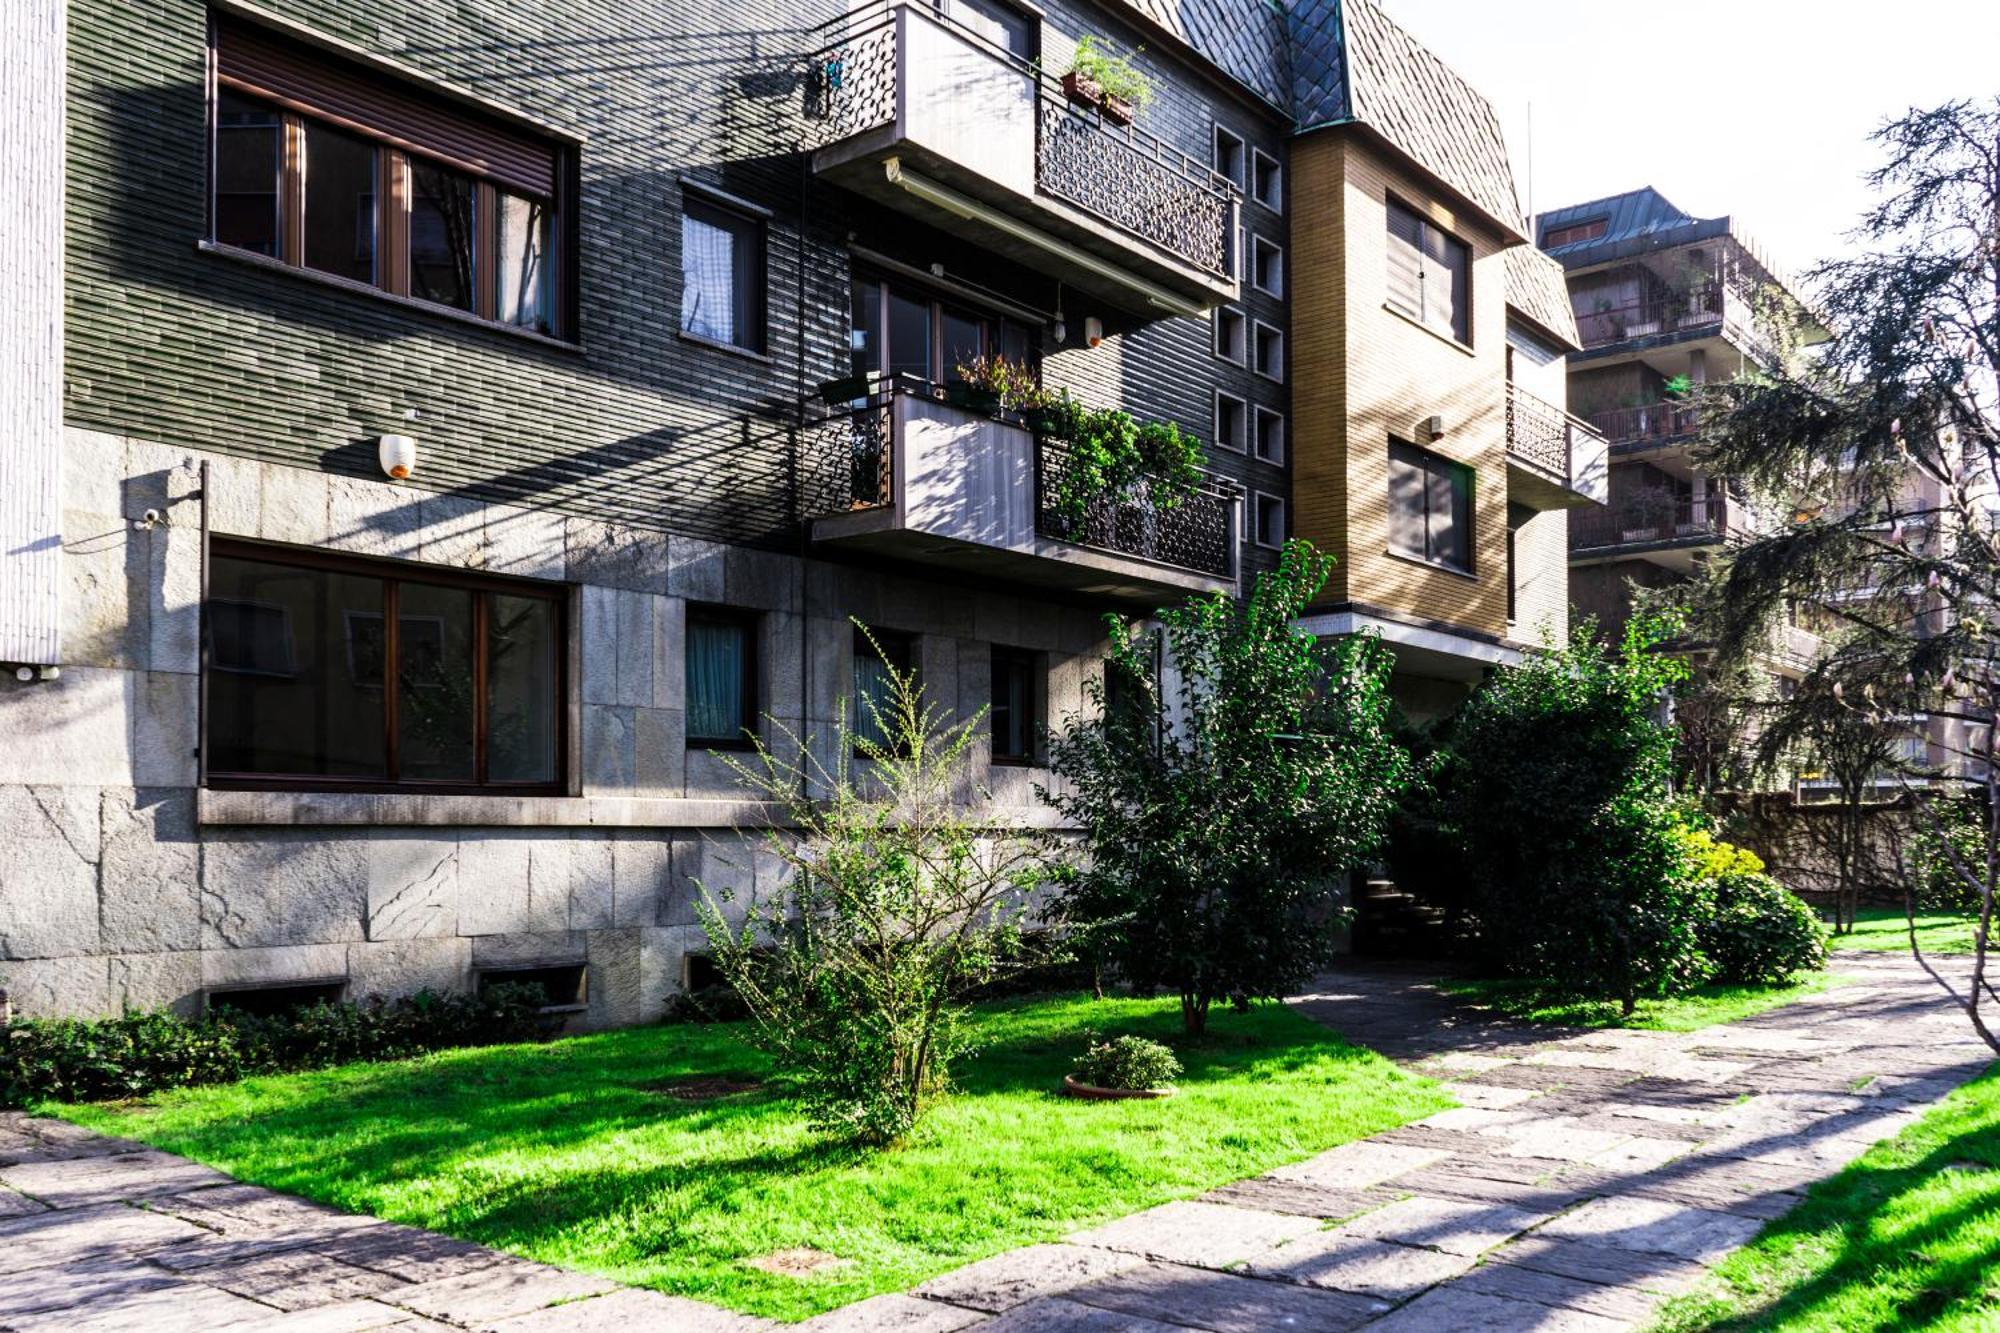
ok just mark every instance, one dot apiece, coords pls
pixel 722 274
pixel 327 165
pixel 1430 507
pixel 1015 713
pixel 1430 274
pixel 721 678
pixel 903 328
pixel 330 671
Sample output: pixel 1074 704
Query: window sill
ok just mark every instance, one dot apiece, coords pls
pixel 1415 323
pixel 717 345
pixel 1434 566
pixel 410 303
pixel 309 809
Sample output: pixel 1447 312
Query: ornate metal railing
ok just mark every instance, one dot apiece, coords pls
pixel 1608 324
pixel 1543 435
pixel 1653 522
pixel 1131 179
pixel 1648 423
pixel 847 462
pixel 1199 533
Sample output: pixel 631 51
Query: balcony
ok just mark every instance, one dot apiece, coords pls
pixel 1709 310
pixel 907 473
pixel 1554 460
pixel 1648 426
pixel 1648 524
pixel 932 118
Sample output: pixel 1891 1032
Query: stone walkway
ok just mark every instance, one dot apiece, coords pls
pixel 1585 1177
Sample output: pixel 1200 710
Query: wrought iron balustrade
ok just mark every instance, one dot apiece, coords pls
pixel 1648 423
pixel 1124 176
pixel 1645 522
pixel 1543 435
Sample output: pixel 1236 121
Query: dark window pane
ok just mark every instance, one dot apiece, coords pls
pixel 718 675
pixel 434 724
pixel 1003 25
pixel 1014 342
pixel 442 228
pixel 909 335
pixel 297 678
pixel 1405 290
pixel 1407 533
pixel 521 676
pixel 1011 712
pixel 249 161
pixel 523 296
pixel 964 337
pixel 865 336
pixel 340 203
pixel 876 654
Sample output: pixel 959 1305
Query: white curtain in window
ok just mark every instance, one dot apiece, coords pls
pixel 708 268
pixel 874 701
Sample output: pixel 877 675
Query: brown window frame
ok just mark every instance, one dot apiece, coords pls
pixel 751 623
pixel 393 574
pixel 394 192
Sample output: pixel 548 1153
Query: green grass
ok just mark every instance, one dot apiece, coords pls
pixel 1908 1237
pixel 560 1152
pixel 1540 1002
pixel 1887 930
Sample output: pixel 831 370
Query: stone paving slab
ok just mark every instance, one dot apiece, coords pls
pixel 1585 1177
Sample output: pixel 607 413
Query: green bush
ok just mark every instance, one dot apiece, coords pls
pixel 1945 838
pixel 1553 787
pixel 1761 933
pixel 135 1055
pixel 1126 1062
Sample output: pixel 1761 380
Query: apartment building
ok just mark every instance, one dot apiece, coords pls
pixel 441 435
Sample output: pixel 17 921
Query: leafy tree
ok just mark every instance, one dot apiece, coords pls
pixel 1885 449
pixel 1221 805
pixel 1553 788
pixel 899 900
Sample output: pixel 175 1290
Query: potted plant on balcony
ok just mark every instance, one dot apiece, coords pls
pixel 990 385
pixel 1107 80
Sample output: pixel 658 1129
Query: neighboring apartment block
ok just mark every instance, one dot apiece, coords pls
pixel 445 432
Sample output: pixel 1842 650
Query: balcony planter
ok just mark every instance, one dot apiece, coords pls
pixel 844 390
pixel 973 398
pixel 1044 422
pixel 1117 110
pixel 1082 89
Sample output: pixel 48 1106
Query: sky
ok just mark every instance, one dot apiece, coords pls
pixel 1759 109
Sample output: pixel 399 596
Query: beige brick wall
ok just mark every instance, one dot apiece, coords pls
pixel 1363 373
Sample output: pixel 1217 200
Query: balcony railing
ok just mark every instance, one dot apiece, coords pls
pixel 1717 307
pixel 849 464
pixel 1124 176
pixel 1649 423
pixel 1658 523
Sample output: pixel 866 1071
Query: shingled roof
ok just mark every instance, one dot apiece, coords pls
pixel 1345 62
pixel 1537 291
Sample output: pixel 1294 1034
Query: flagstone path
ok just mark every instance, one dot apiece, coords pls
pixel 1585 1177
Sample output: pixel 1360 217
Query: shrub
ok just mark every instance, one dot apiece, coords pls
pixel 1943 831
pixel 1113 73
pixel 1126 1062
pixel 1553 788
pixel 1760 932
pixel 1220 811
pixel 135 1055
pixel 902 900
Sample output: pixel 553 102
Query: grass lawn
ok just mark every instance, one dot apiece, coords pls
pixel 1887 929
pixel 1538 1002
pixel 562 1153
pixel 1908 1237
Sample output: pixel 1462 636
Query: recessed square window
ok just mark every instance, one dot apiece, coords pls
pixel 1429 273
pixel 1430 507
pixel 1267 266
pixel 1231 334
pixel 1267 521
pixel 880 656
pixel 1267 181
pixel 1229 155
pixel 1230 421
pixel 721 647
pixel 1269 436
pixel 1015 713
pixel 1268 352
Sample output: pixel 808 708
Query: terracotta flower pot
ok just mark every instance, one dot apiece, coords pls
pixel 1091 1092
pixel 1117 110
pixel 1082 89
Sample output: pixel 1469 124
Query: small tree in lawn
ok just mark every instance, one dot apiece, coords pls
pixel 1219 812
pixel 898 902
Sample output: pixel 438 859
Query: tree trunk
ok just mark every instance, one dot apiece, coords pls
pixel 1194 1014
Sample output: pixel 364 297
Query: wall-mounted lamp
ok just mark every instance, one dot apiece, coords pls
pixel 1431 428
pixel 399 455
pixel 1093 331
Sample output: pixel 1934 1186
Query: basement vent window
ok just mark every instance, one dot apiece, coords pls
pixel 273 1001
pixel 700 971
pixel 565 987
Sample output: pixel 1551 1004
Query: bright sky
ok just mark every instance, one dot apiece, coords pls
pixel 1755 108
